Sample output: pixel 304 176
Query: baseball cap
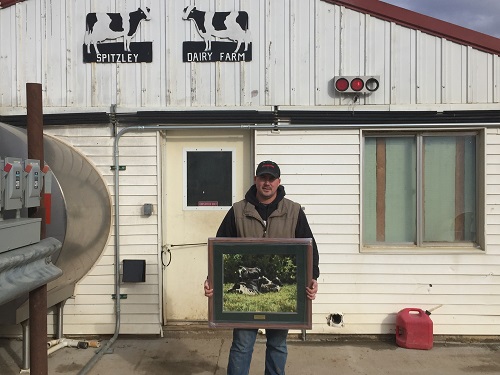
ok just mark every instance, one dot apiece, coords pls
pixel 268 167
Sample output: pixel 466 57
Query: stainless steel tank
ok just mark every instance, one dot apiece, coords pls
pixel 80 218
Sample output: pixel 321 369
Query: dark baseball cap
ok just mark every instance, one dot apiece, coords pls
pixel 268 167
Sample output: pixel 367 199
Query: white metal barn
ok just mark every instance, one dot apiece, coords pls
pixel 399 176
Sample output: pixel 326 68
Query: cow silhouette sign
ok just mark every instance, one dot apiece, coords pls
pixel 234 42
pixel 100 27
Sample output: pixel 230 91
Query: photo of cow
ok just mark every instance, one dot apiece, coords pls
pixel 259 283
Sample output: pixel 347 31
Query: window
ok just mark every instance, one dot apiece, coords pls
pixel 208 179
pixel 421 189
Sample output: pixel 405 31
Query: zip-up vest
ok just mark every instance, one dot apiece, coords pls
pixel 280 224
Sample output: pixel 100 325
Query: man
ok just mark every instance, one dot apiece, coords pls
pixel 265 212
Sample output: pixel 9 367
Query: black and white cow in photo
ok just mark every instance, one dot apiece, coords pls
pixel 103 26
pixel 268 286
pixel 249 288
pixel 223 25
pixel 253 282
pixel 249 273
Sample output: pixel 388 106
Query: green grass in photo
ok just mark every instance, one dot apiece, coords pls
pixel 283 301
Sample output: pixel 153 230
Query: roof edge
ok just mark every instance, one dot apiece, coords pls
pixel 427 24
pixel 8 3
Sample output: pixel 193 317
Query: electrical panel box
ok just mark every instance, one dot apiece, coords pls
pixel 13 189
pixel 33 183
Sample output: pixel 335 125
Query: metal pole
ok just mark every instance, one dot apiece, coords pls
pixel 26 348
pixel 37 297
pixel 60 319
pixel 34 121
pixel 38 331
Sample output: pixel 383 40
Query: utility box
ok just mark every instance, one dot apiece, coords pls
pixel 16 233
pixel 33 183
pixel 134 271
pixel 13 179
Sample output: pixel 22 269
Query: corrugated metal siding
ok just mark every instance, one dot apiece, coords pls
pixel 92 304
pixel 321 171
pixel 298 47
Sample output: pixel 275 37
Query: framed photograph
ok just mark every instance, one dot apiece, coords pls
pixel 260 282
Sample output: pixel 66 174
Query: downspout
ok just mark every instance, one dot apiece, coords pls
pixel 54 345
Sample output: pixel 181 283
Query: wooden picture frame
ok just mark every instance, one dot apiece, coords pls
pixel 260 282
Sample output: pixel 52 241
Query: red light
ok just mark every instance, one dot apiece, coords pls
pixel 357 84
pixel 7 167
pixel 342 84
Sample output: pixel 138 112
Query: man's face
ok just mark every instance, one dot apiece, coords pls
pixel 266 187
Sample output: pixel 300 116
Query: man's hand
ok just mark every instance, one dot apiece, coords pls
pixel 311 290
pixel 208 292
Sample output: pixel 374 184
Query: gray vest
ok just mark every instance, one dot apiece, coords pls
pixel 280 224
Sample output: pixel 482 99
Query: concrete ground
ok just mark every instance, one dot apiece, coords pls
pixel 204 352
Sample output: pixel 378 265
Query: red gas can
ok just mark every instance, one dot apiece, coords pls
pixel 414 329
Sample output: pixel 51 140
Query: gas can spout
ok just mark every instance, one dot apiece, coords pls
pixel 429 311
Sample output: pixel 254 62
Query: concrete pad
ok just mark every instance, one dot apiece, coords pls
pixel 205 353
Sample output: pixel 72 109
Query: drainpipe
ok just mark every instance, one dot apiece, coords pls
pixel 26 347
pixel 60 319
pixel 54 345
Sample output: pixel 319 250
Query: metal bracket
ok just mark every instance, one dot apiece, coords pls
pixel 122 296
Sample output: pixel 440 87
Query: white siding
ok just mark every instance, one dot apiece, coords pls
pixel 493 191
pixel 92 305
pixel 321 171
pixel 297 47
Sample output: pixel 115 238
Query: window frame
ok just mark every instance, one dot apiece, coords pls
pixel 419 134
pixel 185 152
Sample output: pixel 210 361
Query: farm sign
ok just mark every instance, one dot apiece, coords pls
pixel 223 25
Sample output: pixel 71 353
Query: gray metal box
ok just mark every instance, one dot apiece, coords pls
pixel 13 188
pixel 33 183
pixel 16 233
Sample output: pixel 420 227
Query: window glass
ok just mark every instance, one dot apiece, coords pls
pixel 449 189
pixel 209 177
pixel 419 189
pixel 390 190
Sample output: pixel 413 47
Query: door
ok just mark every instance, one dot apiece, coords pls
pixel 204 173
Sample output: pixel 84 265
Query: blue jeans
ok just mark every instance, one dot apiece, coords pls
pixel 241 351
